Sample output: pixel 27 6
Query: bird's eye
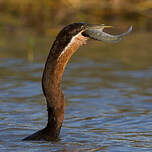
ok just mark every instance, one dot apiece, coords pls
pixel 82 26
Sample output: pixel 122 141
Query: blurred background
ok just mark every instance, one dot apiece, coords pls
pixel 108 86
pixel 23 20
pixel 43 15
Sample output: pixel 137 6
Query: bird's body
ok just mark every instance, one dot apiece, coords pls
pixel 66 43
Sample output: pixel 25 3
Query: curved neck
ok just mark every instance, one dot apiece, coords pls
pixel 51 83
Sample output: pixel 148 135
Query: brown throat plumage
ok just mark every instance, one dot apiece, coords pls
pixel 51 81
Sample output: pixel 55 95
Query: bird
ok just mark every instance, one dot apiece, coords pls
pixel 67 42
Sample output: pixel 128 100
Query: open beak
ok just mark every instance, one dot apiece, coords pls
pixel 96 32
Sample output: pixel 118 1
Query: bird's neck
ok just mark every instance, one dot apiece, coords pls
pixel 51 83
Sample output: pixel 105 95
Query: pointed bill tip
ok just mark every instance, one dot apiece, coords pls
pixel 106 26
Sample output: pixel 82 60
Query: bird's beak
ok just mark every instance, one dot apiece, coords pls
pixel 107 26
pixel 96 32
pixel 102 26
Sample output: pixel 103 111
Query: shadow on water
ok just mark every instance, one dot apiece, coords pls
pixel 107 87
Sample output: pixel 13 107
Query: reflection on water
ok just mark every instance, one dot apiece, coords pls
pixel 108 91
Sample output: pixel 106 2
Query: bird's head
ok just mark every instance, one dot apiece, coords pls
pixel 79 33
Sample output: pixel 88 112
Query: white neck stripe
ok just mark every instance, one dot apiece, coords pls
pixel 70 43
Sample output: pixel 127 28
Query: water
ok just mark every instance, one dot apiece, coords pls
pixel 108 91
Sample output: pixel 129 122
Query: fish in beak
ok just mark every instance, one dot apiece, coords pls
pixel 96 32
